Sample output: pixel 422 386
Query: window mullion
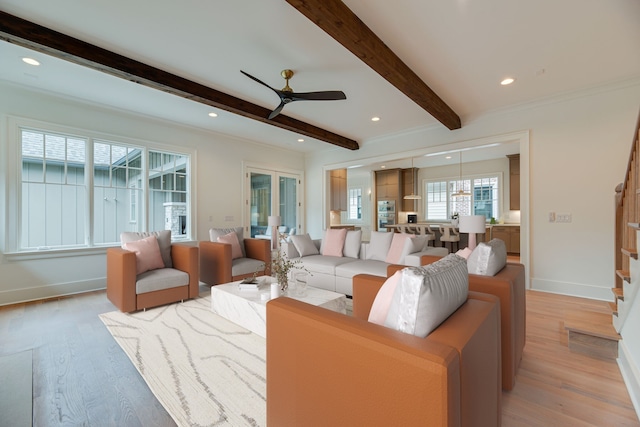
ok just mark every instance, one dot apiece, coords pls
pixel 90 193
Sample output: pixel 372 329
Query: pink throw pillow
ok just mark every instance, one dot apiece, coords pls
pixel 464 253
pixel 232 239
pixel 334 241
pixel 397 245
pixel 382 302
pixel 148 255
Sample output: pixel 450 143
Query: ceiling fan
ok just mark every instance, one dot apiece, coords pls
pixel 287 94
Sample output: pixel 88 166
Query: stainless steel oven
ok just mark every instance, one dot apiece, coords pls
pixel 386 213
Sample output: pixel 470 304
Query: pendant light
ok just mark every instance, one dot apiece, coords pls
pixel 461 192
pixel 413 195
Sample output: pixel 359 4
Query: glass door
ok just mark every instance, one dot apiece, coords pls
pixel 259 202
pixel 288 202
pixel 273 193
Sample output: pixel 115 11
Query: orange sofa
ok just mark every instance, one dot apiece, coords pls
pixel 508 285
pixel 330 369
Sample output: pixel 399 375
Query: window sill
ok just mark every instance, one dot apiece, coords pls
pixel 54 253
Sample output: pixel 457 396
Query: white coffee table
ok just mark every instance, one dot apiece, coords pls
pixel 248 309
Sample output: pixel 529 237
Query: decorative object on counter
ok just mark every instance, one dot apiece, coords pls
pixel 274 222
pixel 472 224
pixel 493 220
pixel 454 219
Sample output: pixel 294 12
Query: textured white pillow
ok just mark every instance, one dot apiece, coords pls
pixel 426 296
pixel 164 242
pixel 379 244
pixel 304 245
pixel 352 244
pixel 487 259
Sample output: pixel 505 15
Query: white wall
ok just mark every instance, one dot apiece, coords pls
pixel 578 151
pixel 218 177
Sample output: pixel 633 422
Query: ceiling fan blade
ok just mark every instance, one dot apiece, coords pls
pixel 277 110
pixel 260 81
pixel 328 95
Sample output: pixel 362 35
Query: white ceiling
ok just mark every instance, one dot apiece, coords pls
pixel 462 49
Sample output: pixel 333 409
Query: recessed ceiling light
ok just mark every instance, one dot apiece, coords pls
pixel 382 167
pixel 300 140
pixel 213 114
pixel 507 81
pixel 375 119
pixel 447 157
pixel 30 61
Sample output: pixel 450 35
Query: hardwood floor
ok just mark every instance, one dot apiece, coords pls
pixel 82 377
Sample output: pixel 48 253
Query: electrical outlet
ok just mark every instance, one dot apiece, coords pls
pixel 228 218
pixel 563 217
pixel 552 217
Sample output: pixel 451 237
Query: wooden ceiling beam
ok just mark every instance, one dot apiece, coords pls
pixel 337 20
pixel 36 37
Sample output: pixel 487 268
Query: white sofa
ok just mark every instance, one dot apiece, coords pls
pixel 335 273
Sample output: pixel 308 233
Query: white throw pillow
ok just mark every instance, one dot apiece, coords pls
pixel 352 244
pixel 379 244
pixel 487 259
pixel 304 245
pixel 426 296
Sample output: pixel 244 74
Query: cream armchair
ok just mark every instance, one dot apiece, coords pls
pixel 217 264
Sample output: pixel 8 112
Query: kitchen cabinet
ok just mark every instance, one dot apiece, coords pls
pixel 338 182
pixel 514 182
pixel 509 234
pixel 388 184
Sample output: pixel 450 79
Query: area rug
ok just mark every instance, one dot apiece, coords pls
pixel 204 370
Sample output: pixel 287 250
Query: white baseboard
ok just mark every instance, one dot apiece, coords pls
pixel 630 375
pixel 14 296
pixel 572 289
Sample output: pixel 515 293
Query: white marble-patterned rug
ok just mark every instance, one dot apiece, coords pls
pixel 205 370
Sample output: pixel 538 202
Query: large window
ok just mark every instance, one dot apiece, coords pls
pixel 131 188
pixel 53 190
pixel 355 203
pixel 480 197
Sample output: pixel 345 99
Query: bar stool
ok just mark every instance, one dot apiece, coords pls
pixel 449 235
pixel 426 230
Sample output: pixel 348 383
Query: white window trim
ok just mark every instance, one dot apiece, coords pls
pixel 501 189
pixel 11 215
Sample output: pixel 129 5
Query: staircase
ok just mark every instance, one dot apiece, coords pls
pixel 597 333
pixel 627 209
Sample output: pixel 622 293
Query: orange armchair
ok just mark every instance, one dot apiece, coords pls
pixel 509 286
pixel 217 266
pixel 130 292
